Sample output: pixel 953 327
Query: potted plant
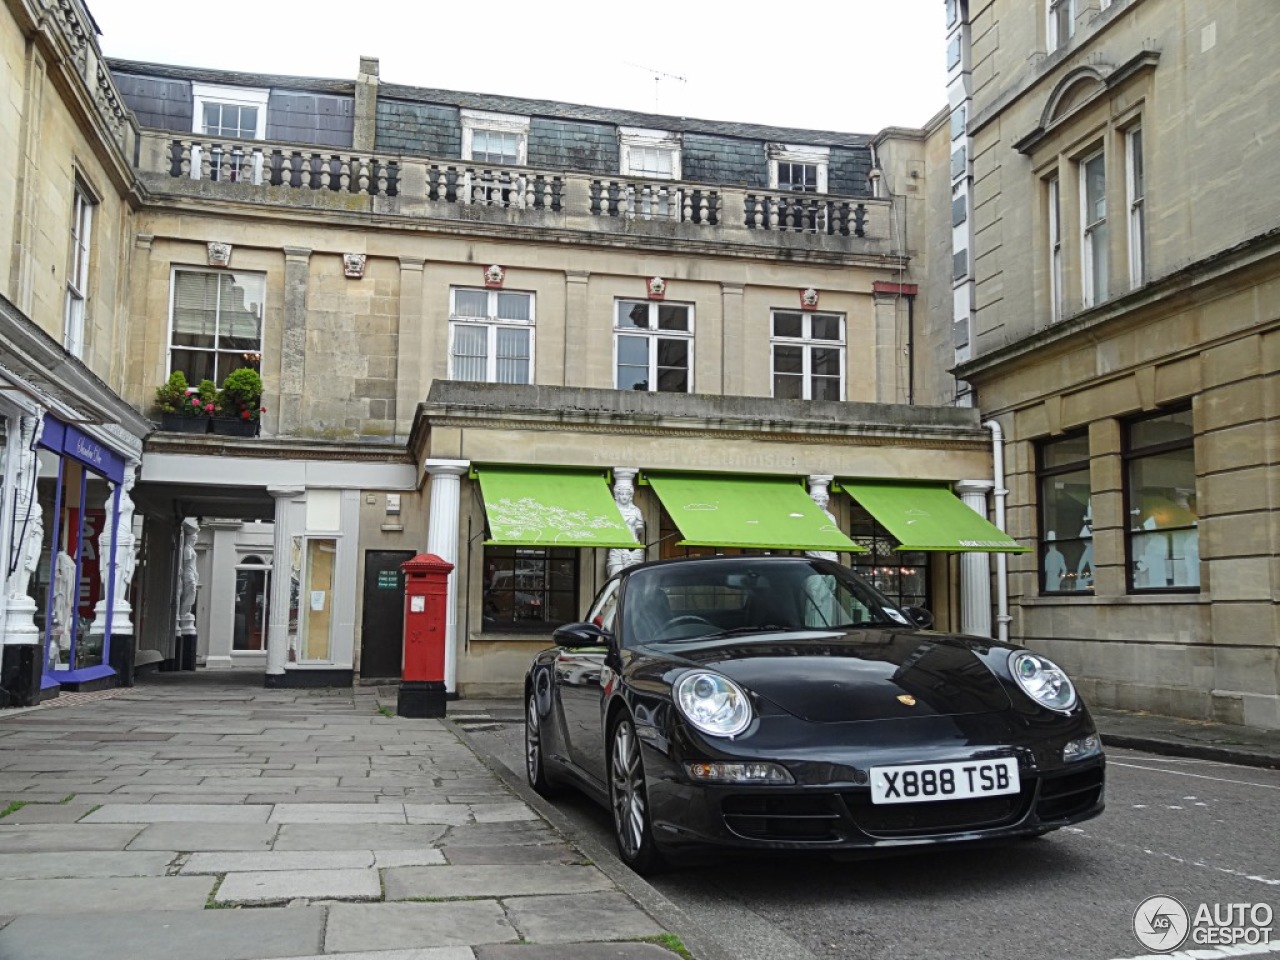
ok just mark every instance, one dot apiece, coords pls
pixel 181 410
pixel 239 404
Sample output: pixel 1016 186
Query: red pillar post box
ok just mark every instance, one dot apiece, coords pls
pixel 426 603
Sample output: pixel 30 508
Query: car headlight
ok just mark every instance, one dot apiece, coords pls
pixel 1043 680
pixel 1082 748
pixel 712 703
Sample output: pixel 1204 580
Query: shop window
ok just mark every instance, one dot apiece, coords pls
pixel 490 336
pixel 530 588
pixel 902 576
pixel 1066 515
pixel 807 355
pixel 215 323
pixel 1162 535
pixel 653 346
pixel 74 508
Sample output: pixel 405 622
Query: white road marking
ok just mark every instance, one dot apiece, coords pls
pixel 1169 856
pixel 1198 776
pixel 1188 761
pixel 1212 953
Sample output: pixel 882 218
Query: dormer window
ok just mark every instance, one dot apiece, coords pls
pixel 649 153
pixel 498 138
pixel 236 112
pixel 798 169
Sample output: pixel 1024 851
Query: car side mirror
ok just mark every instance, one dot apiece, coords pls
pixel 919 616
pixel 581 635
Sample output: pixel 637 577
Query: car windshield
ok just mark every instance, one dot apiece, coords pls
pixel 696 600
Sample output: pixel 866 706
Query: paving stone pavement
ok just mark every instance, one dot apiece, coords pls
pixel 203 816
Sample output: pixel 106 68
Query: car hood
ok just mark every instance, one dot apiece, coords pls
pixel 863 675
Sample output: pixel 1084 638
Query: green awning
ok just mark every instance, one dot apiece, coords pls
pixel 927 516
pixel 566 508
pixel 764 513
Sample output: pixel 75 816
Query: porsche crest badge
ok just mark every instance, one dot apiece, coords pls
pixel 907 700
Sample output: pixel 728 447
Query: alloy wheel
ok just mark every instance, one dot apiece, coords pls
pixel 532 742
pixel 626 783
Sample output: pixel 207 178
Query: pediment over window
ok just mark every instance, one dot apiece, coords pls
pixel 1076 89
pixel 1082 86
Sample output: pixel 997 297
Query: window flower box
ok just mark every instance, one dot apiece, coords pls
pixel 233 427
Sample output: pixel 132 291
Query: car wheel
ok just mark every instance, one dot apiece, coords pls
pixel 630 801
pixel 534 760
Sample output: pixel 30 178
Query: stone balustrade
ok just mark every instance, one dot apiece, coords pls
pixel 806 213
pixel 648 200
pixel 420 187
pixel 507 187
pixel 250 162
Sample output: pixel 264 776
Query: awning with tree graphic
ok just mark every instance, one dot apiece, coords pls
pixel 544 508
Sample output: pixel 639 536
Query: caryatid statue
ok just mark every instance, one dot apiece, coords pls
pixel 820 492
pixel 619 558
pixel 28 539
pixel 126 559
pixel 190 577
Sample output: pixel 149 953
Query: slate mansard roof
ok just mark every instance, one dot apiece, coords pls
pixel 427 121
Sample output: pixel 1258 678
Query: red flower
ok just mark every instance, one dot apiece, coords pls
pixel 195 401
pixel 244 415
pixel 208 408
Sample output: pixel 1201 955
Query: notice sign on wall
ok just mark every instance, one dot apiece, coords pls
pixel 388 580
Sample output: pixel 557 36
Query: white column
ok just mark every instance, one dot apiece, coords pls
pixel 281 574
pixel 975 568
pixel 442 540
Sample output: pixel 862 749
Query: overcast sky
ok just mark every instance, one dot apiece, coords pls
pixel 849 65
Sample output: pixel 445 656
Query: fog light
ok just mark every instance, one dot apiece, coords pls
pixel 1082 748
pixel 738 773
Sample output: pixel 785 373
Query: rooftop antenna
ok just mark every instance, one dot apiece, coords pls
pixel 658 77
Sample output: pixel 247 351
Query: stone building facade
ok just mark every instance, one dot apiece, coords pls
pixel 1117 264
pixel 471 316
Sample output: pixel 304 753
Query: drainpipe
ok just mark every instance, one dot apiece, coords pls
pixel 1002 559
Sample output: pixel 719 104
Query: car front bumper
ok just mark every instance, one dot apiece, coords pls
pixel 841 816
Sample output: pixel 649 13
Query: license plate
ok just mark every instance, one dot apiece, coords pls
pixel 922 782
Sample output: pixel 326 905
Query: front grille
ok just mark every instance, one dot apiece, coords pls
pixel 936 817
pixel 811 817
pixel 1069 796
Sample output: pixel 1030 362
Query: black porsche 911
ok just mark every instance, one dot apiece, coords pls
pixel 781 703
